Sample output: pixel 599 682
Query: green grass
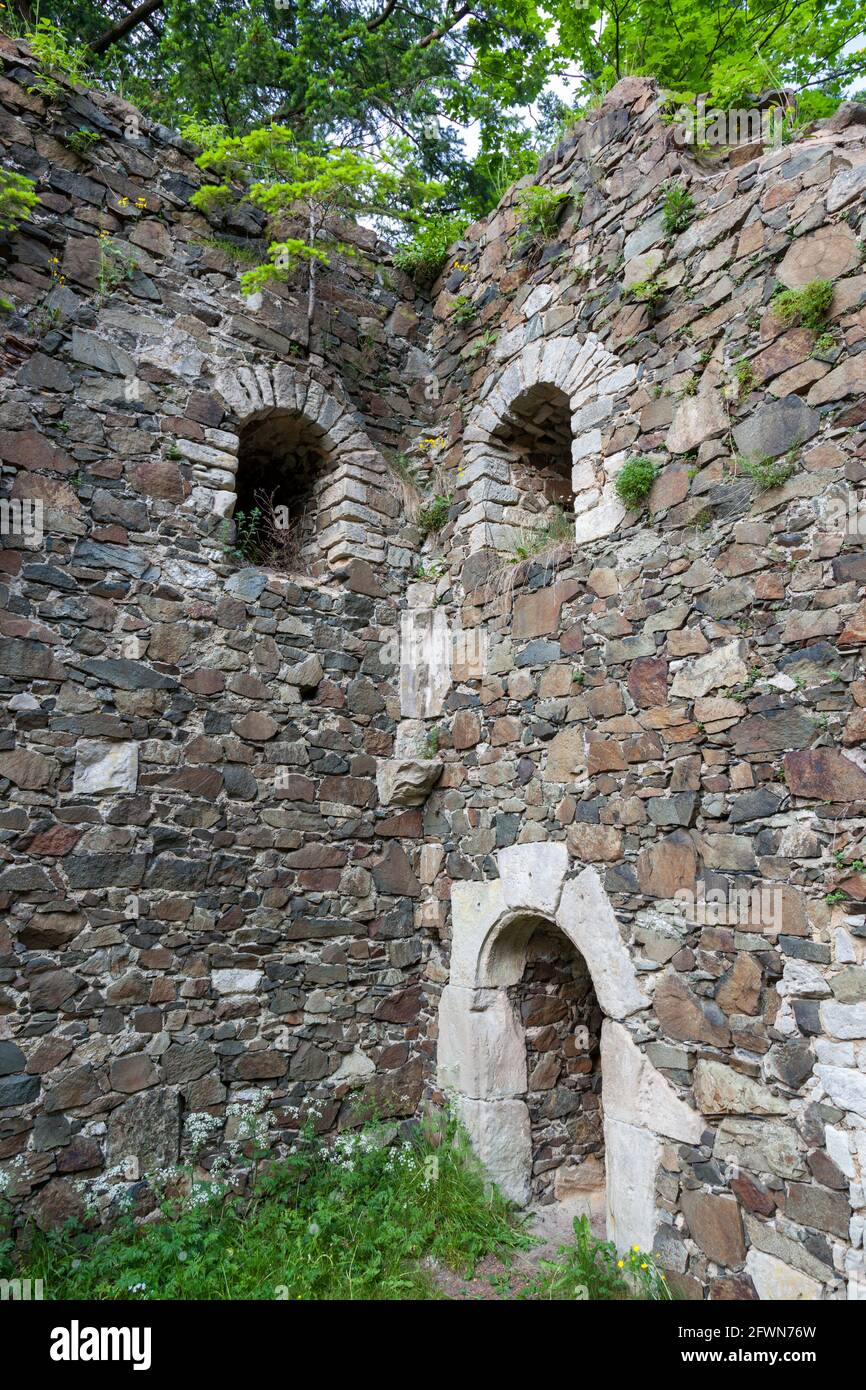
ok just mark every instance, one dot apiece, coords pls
pixel 359 1218
pixel 434 514
pixel 556 532
pixel 767 472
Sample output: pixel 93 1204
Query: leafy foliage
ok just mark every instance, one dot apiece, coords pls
pixel 57 53
pixel 767 472
pixel 17 199
pixel 649 292
pixel 300 190
pixel 592 1269
pixel 540 209
pixel 433 516
pixel 425 254
pixel 678 209
pixel 634 481
pixel 352 1219
pixel 810 305
pixel 361 73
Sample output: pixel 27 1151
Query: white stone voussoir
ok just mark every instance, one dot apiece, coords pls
pixel 586 917
pixel 532 876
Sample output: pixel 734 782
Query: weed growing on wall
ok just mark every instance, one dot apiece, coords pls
pixel 634 481
pixel 540 209
pixel 424 255
pixel 766 472
pixel 433 516
pixel 591 1269
pixel 678 209
pixel 809 305
pixel 17 199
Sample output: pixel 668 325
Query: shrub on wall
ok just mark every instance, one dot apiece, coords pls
pixel 425 254
pixel 810 305
pixel 634 481
pixel 540 209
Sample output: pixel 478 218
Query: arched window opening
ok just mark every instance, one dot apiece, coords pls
pixel 556 1005
pixel 537 430
pixel 283 474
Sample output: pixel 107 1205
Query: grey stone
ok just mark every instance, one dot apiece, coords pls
pixel 775 428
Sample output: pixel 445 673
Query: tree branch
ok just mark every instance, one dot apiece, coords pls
pixel 444 27
pixel 130 21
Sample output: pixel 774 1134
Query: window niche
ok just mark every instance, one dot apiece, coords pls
pixel 283 475
pixel 537 432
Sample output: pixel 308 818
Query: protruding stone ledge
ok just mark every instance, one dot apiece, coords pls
pixel 407 781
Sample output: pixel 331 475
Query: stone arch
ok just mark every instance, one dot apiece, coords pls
pixel 481 1056
pixel 355 504
pixel 552 369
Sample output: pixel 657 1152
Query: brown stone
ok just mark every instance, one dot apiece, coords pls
pixel 256 726
pixel 683 1014
pixel 133 1073
pixel 27 769
pixel 753 1195
pixel 824 774
pixel 667 865
pixel 466 729
pixel 394 874
pixel 716 1225
pixel 537 614
pixel 261 1066
pixel 402 1007
pixel 594 843
pixel 51 990
pixel 740 991
pixel 825 254
pixel 158 478
pixel 30 449
pixel 854 631
pixel 648 681
pixel 737 1289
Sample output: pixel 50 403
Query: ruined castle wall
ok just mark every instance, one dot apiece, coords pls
pixel 203 899
pixel 677 697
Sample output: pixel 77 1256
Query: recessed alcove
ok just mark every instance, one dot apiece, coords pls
pixel 283 472
pixel 556 1004
pixel 537 432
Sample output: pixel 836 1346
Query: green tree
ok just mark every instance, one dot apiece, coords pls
pixel 307 191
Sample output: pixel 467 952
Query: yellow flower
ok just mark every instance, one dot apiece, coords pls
pixel 644 1266
pixel 620 1264
pixel 122 202
pixel 636 1249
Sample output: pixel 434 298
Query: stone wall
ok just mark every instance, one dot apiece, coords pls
pixel 203 899
pixel 677 699
pixel 244 857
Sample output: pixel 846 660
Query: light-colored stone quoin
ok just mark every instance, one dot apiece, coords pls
pixel 481 1056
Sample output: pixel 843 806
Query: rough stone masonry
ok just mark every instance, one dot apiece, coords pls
pixel 475 814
